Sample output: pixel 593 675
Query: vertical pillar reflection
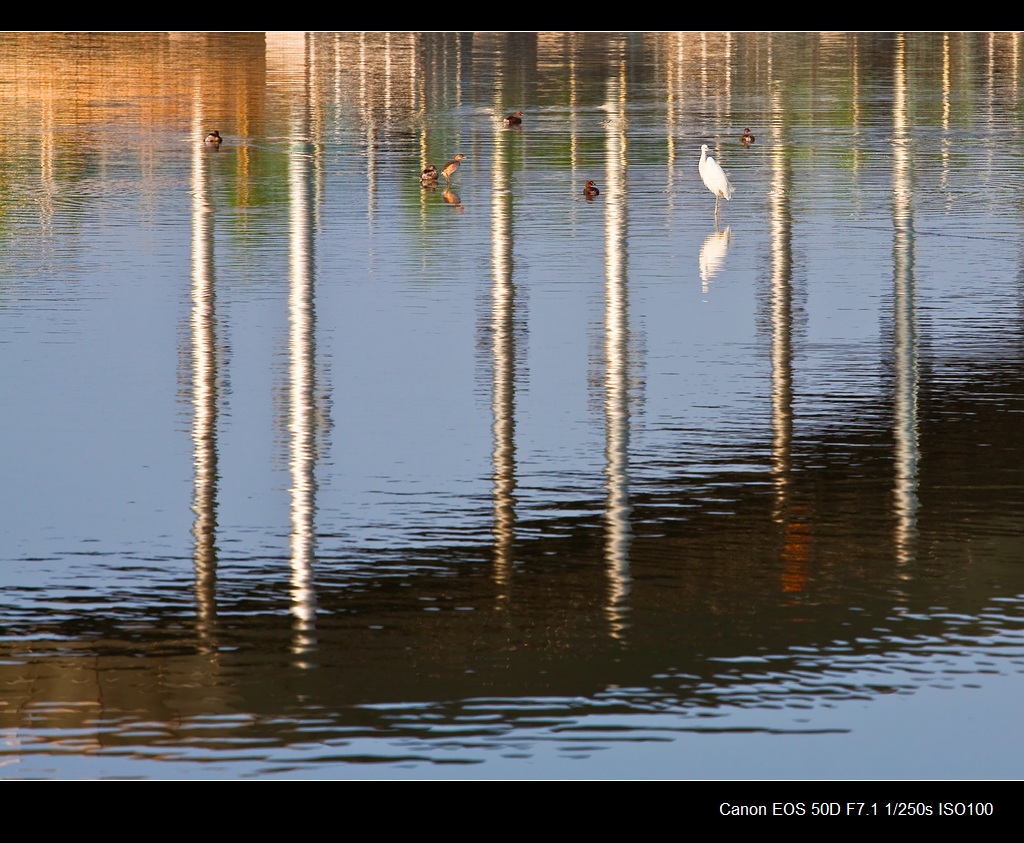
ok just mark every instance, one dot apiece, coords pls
pixel 618 532
pixel 1015 64
pixel 791 517
pixel 503 364
pixel 673 86
pixel 905 368
pixel 574 105
pixel 302 411
pixel 369 121
pixel 947 141
pixel 780 224
pixel 203 336
pixel 49 184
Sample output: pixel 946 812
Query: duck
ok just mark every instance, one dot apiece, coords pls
pixel 214 138
pixel 590 190
pixel 746 138
pixel 448 170
pixel 429 176
pixel 514 119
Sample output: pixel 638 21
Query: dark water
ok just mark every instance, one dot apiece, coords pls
pixel 310 471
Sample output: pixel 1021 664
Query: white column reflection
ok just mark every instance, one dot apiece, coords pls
pixel 302 396
pixel 574 106
pixel 673 85
pixel 789 514
pixel 990 91
pixel 858 130
pixel 618 532
pixel 369 120
pixel 302 409
pixel 1015 65
pixel 947 140
pixel 716 73
pixel 48 182
pixel 415 105
pixel 503 365
pixel 905 367
pixel 419 113
pixel 780 228
pixel 204 376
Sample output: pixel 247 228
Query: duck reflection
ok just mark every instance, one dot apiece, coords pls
pixel 451 198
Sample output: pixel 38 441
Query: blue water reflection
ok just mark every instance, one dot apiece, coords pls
pixel 315 472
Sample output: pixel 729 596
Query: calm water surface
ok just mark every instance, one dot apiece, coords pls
pixel 312 472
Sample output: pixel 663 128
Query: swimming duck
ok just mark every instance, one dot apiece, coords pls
pixel 514 119
pixel 589 190
pixel 746 138
pixel 429 176
pixel 214 138
pixel 449 169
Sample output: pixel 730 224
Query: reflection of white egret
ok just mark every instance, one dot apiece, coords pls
pixel 712 254
pixel 714 177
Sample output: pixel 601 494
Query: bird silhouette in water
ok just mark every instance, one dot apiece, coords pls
pixel 214 138
pixel 514 119
pixel 746 138
pixel 449 169
pixel 714 177
pixel 590 190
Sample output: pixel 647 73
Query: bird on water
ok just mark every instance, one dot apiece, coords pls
pixel 746 138
pixel 429 176
pixel 214 138
pixel 449 169
pixel 590 190
pixel 714 177
pixel 514 119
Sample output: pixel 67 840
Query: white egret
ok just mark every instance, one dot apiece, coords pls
pixel 714 177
